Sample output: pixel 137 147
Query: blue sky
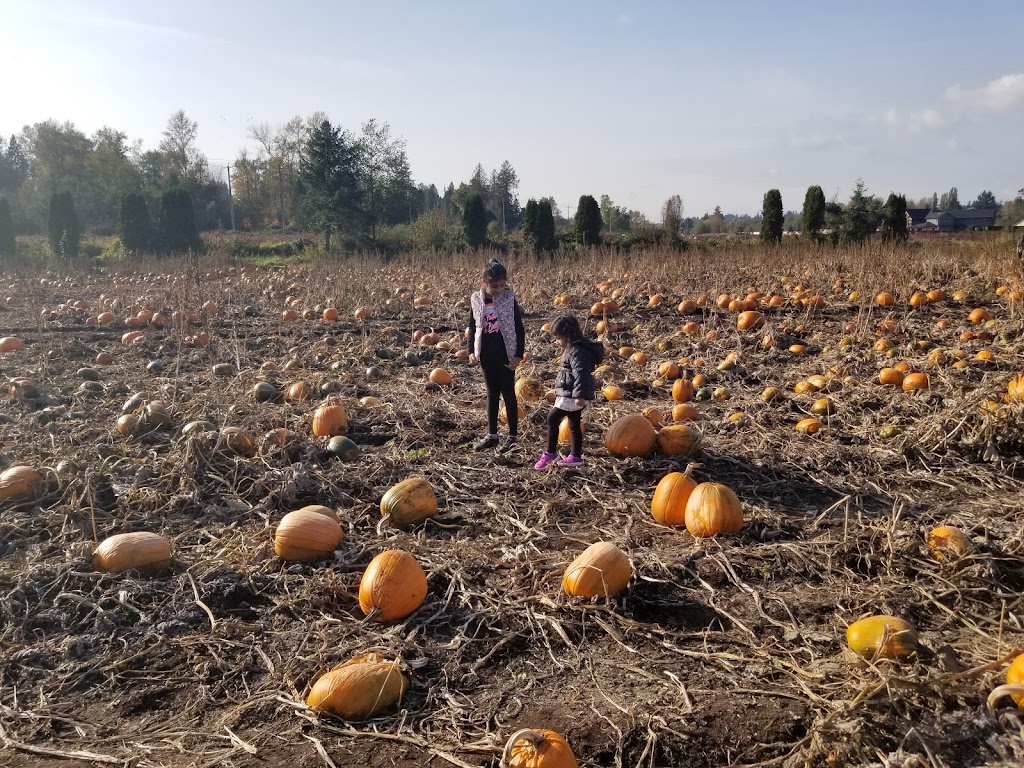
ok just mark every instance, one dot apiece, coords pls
pixel 716 102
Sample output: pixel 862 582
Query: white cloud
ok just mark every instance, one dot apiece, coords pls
pixel 919 121
pixel 1003 94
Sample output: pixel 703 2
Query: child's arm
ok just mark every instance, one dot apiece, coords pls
pixel 471 341
pixel 520 331
pixel 584 379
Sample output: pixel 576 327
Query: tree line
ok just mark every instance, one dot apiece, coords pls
pixel 356 189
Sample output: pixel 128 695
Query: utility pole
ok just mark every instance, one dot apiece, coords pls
pixel 231 199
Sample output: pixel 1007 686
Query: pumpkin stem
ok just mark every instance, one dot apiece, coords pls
pixel 383 521
pixel 536 738
pixel 372 615
pixel 690 467
pixel 1004 690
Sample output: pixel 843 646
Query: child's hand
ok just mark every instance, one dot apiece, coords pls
pixel 515 363
pixel 581 402
pixel 473 360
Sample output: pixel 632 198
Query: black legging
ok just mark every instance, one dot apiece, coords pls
pixel 575 428
pixel 501 383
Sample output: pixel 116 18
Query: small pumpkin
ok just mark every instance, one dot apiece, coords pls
pixel 809 426
pixel 668 505
pixel 565 431
pixel 601 569
pixel 393 586
pixel 631 435
pixel 685 412
pixel 945 541
pixel 10 344
pixel 530 748
pixel 409 503
pixel 440 377
pixel 1015 676
pixel 882 637
pixel 1015 389
pixel 360 688
pixel 238 441
pixel 143 551
pixel 915 381
pixel 529 390
pixel 682 390
pixel 298 391
pixel 751 320
pixel 330 420
pixel 19 482
pixel 713 508
pixel 613 392
pixel 890 377
pixel 310 533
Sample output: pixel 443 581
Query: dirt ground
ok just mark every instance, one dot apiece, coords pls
pixel 724 651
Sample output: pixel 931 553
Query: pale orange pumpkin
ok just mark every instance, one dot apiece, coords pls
pixel 945 541
pixel 142 551
pixel 915 381
pixel 393 586
pixel 310 533
pixel 682 390
pixel 713 508
pixel 360 688
pixel 750 320
pixel 602 569
pixel 409 503
pixel 678 440
pixel 19 482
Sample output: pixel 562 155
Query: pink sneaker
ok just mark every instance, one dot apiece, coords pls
pixel 545 459
pixel 571 461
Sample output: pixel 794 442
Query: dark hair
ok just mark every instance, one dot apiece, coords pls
pixel 495 271
pixel 568 327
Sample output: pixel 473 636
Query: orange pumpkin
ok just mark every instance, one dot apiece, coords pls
pixel 678 440
pixel 393 586
pixel 409 502
pixel 359 688
pixel 310 533
pixel 528 748
pixel 890 377
pixel 601 569
pixel 713 508
pixel 19 482
pixel 682 390
pixel 750 320
pixel 330 420
pixel 945 541
pixel 915 381
pixel 631 435
pixel 882 637
pixel 668 506
pixel 141 551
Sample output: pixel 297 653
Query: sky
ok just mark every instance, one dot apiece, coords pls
pixel 714 101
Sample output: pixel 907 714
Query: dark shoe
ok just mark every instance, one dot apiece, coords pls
pixel 510 442
pixel 488 442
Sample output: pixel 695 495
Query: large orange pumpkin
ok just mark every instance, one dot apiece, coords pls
pixel 529 390
pixel 601 569
pixel 393 586
pixel 668 506
pixel 631 435
pixel 915 381
pixel 711 509
pixel 10 344
pixel 750 320
pixel 538 749
pixel 359 688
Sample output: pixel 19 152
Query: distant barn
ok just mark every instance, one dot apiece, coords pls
pixel 952 220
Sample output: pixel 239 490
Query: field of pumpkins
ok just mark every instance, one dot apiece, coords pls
pixel 242 522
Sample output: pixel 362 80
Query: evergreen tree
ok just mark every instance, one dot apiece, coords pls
pixel 894 222
pixel 859 217
pixel 530 222
pixel 544 238
pixel 772 217
pixel 327 191
pixel 62 226
pixel 474 221
pixel 587 222
pixel 8 245
pixel 178 233
pixel 813 220
pixel 134 226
